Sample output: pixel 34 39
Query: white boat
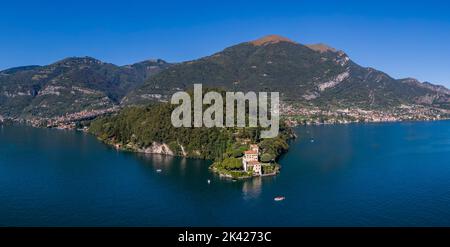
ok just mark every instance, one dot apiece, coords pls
pixel 209 181
pixel 279 198
pixel 158 170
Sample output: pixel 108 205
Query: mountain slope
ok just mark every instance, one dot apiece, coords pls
pixel 276 65
pixel 308 75
pixel 316 75
pixel 70 85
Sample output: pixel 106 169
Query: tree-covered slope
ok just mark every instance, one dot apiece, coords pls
pixel 287 67
pixel 315 75
pixel 70 85
pixel 311 75
pixel 140 128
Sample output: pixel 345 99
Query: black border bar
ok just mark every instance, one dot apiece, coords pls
pixel 170 236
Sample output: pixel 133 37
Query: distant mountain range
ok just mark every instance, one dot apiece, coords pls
pixel 70 85
pixel 310 75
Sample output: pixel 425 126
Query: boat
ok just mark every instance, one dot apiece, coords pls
pixel 158 170
pixel 209 181
pixel 279 198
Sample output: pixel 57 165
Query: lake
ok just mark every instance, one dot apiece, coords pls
pixel 389 174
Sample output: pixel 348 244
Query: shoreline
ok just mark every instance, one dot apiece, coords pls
pixel 225 175
pixel 374 122
pixel 26 122
pixel 212 167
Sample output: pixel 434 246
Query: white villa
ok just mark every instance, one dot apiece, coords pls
pixel 250 161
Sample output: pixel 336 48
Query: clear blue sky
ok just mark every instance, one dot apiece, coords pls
pixel 402 38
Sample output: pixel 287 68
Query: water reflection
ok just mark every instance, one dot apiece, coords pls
pixel 251 188
pixel 156 161
pixel 196 172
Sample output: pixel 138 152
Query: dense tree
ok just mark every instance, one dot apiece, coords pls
pixel 140 127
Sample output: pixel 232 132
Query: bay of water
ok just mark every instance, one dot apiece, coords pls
pixel 395 174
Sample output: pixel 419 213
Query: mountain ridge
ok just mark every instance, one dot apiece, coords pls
pixel 310 74
pixel 316 75
pixel 69 85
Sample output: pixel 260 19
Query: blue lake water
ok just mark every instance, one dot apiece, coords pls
pixel 395 174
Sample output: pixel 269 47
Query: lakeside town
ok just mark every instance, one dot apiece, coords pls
pixel 295 115
pixel 67 121
pixel 292 115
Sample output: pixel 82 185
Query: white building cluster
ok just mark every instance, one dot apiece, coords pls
pixel 250 160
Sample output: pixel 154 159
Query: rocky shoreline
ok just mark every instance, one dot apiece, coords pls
pixel 155 148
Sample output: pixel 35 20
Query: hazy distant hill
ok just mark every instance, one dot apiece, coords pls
pixel 309 74
pixel 69 85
